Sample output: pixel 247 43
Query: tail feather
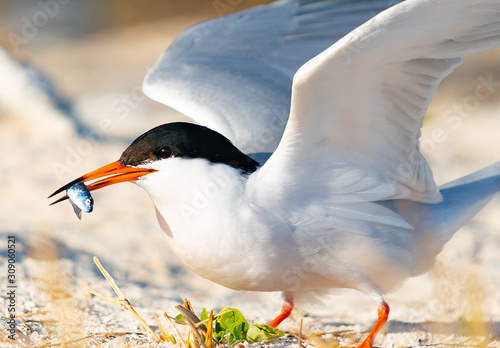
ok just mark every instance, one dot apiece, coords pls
pixel 487 172
pixel 464 198
pixel 435 224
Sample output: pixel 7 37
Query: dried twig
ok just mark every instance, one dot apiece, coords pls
pixel 300 332
pixel 209 342
pixel 24 315
pixel 188 313
pixel 26 325
pixel 187 304
pixel 165 336
pixel 122 299
pixel 182 341
pixel 49 336
pixel 191 320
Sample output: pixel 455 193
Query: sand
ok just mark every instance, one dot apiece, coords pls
pixel 99 77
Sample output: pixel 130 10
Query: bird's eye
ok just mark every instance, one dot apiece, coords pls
pixel 166 152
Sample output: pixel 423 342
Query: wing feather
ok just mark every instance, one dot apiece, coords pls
pixel 234 73
pixel 357 108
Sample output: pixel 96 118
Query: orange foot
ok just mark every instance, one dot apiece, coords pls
pixel 383 314
pixel 285 311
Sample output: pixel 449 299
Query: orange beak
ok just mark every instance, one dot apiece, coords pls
pixel 113 173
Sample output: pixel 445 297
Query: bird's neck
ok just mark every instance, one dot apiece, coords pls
pixel 196 201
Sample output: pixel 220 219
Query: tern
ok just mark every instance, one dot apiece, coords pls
pixel 344 196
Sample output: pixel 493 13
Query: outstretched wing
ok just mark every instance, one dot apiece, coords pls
pixel 234 73
pixel 357 108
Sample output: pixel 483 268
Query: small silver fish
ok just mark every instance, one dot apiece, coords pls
pixel 80 198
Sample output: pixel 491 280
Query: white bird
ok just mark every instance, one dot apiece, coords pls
pixel 346 199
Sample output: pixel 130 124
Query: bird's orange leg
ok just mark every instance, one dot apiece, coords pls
pixel 285 311
pixel 383 314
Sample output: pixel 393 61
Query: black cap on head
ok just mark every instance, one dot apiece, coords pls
pixel 185 140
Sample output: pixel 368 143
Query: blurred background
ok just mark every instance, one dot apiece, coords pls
pixel 71 101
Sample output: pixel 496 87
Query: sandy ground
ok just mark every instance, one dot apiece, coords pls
pixel 456 304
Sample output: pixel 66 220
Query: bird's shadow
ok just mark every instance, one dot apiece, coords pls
pixel 460 327
pixel 47 248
